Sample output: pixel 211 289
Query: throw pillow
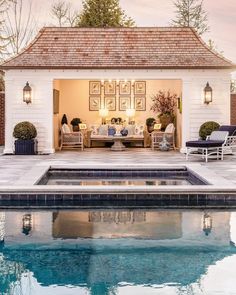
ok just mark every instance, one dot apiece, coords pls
pixel 94 129
pixel 103 130
pixel 130 129
pixel 139 129
pixel 65 128
pixel 170 128
pixel 111 131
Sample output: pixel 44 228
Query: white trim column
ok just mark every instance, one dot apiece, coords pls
pixel 186 108
pixel 49 134
pixel 8 149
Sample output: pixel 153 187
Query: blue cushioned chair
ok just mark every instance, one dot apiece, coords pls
pixel 213 145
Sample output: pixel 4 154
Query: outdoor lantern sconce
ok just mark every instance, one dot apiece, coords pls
pixel 27 93
pixel 26 224
pixel 207 94
pixel 207 224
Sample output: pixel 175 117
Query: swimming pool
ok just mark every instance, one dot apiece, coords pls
pixel 118 252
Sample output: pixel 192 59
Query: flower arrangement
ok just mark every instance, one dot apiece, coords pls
pixel 164 102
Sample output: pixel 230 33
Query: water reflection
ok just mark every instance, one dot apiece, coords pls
pixel 122 182
pixel 114 252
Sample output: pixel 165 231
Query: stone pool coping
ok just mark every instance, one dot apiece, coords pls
pixel 26 183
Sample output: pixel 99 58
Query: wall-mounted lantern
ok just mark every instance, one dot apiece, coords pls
pixel 207 224
pixel 27 93
pixel 26 224
pixel 207 94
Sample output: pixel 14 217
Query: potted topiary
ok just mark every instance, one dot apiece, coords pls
pixel 150 124
pixel 75 124
pixel 164 104
pixel 207 128
pixel 25 132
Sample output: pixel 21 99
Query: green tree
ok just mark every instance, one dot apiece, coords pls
pixel 103 13
pixel 190 13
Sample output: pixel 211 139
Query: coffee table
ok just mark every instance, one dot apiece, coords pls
pixel 118 143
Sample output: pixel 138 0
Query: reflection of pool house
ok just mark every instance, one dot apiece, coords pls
pixel 80 72
pixel 213 228
pixel 145 232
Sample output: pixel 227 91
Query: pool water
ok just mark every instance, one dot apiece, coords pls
pixel 117 181
pixel 137 177
pixel 111 252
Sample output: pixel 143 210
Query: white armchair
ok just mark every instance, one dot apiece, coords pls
pixel 71 139
pixel 169 134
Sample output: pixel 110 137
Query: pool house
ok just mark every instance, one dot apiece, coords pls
pixel 97 74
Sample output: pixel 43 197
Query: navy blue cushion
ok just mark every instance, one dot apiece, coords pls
pixel 230 128
pixel 204 143
pixel 111 131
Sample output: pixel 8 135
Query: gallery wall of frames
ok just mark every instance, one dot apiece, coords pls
pixel 117 95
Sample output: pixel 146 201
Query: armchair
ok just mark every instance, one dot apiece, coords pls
pixel 71 139
pixel 169 134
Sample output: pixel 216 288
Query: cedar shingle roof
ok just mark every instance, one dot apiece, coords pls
pixel 124 48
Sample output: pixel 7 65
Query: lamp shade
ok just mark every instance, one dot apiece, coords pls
pixel 27 93
pixel 103 113
pixel 130 113
pixel 207 94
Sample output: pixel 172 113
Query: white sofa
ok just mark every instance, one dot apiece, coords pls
pixel 99 133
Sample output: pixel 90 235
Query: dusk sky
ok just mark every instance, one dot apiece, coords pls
pixel 221 16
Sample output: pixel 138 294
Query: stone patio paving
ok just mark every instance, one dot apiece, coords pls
pixel 14 167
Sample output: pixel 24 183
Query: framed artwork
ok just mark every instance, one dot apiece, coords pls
pixel 124 103
pixel 82 126
pixel 140 87
pixel 125 88
pixel 140 103
pixel 110 103
pixel 94 87
pixel 110 88
pixel 56 95
pixel 179 104
pixel 157 126
pixel 94 103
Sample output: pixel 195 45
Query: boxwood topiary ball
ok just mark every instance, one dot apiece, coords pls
pixel 25 131
pixel 207 128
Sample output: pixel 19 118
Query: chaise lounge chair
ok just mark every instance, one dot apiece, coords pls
pixel 214 145
pixel 230 144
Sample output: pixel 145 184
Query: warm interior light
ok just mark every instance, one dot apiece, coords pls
pixel 103 113
pixel 130 113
